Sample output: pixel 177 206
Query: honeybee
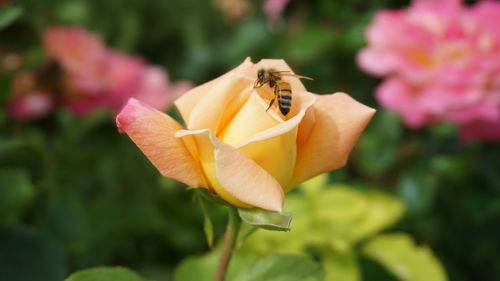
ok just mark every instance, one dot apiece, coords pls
pixel 282 89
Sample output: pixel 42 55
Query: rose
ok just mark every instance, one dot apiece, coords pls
pixel 235 148
pixel 95 75
pixel 442 64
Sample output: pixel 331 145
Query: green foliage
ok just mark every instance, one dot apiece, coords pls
pixel 202 268
pixel 8 14
pixel 208 226
pixel 340 218
pixel 398 253
pixel 281 268
pixel 265 219
pixel 16 191
pixel 248 268
pixel 105 274
pixel 27 254
pixel 341 266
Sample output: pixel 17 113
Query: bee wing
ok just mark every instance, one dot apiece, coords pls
pixel 289 73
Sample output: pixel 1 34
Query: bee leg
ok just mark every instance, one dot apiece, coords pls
pixel 271 103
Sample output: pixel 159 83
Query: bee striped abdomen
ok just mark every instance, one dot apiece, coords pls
pixel 284 97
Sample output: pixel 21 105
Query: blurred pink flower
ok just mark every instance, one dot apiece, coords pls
pixel 82 56
pixel 26 102
pixel 441 60
pixel 96 76
pixel 274 8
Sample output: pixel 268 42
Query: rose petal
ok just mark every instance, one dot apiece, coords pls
pixel 153 132
pixel 375 61
pixel 339 121
pixel 189 100
pixel 398 95
pixel 220 103
pixel 234 176
pixel 273 148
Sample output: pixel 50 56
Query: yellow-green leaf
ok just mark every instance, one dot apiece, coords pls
pixel 400 256
pixel 105 274
pixel 266 219
pixel 341 266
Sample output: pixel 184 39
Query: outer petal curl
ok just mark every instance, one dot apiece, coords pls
pixel 234 176
pixel 338 120
pixel 153 132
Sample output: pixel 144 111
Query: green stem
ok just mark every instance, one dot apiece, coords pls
pixel 233 225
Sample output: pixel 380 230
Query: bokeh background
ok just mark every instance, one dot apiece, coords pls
pixel 74 193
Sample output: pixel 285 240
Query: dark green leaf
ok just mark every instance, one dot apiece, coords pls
pixel 27 255
pixel 8 14
pixel 209 196
pixel 417 189
pixel 208 227
pixel 283 268
pixel 105 274
pixel 16 191
pixel 266 219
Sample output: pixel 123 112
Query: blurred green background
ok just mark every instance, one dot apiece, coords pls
pixel 74 193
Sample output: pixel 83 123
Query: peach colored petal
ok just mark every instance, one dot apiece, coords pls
pixel 251 119
pixel 189 100
pixel 236 178
pixel 271 143
pixel 339 121
pixel 153 132
pixel 302 101
pixel 220 103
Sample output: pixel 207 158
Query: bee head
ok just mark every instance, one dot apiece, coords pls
pixel 259 82
pixel 260 74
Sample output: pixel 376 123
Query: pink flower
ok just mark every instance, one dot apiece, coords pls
pixel 82 56
pixel 26 103
pixel 95 76
pixel 274 8
pixel 442 64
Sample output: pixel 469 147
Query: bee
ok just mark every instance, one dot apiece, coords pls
pixel 282 89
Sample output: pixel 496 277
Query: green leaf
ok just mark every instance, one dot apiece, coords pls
pixel 72 12
pixel 208 226
pixel 266 219
pixel 343 216
pixel 398 254
pixel 8 14
pixel 281 268
pixel 311 43
pixel 314 185
pixel 293 242
pixel 341 266
pixel 105 274
pixel 377 150
pixel 206 194
pixel 418 189
pixel 27 255
pixel 202 268
pixel 16 191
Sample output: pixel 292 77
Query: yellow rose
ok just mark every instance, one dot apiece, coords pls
pixel 235 148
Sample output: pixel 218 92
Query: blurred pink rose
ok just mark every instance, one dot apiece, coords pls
pixel 82 56
pixel 96 76
pixel 274 8
pixel 441 60
pixel 26 102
